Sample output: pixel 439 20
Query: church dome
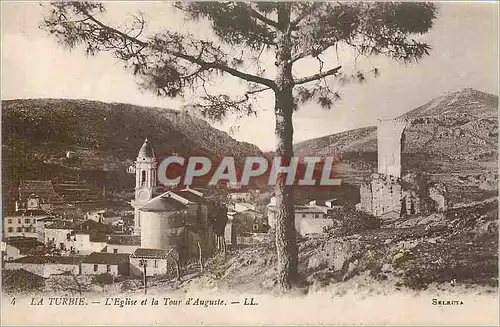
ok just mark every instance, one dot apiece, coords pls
pixel 146 150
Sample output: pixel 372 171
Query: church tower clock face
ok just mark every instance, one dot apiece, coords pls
pixel 143 195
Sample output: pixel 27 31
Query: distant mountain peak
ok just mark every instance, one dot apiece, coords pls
pixel 464 101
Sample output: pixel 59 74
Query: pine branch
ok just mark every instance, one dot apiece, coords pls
pixel 193 59
pixel 318 76
pixel 257 15
pixel 306 12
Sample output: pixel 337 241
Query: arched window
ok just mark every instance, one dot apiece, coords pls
pixel 143 178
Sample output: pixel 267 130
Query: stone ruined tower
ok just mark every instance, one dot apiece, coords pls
pixel 389 137
pixel 145 181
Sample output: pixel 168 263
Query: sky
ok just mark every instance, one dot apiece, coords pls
pixel 464 53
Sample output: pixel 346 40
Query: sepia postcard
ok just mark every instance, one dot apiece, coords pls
pixel 249 163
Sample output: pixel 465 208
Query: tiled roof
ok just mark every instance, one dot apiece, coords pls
pixel 300 209
pixel 190 196
pixel 248 212
pixel 110 214
pixel 106 258
pixel 55 259
pixel 47 219
pixel 163 203
pixel 27 213
pixel 150 253
pixel 25 245
pixel 124 239
pixel 87 226
pixel 62 224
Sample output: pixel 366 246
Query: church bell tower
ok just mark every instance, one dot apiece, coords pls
pixel 145 181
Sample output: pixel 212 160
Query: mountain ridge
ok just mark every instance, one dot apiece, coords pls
pixel 104 136
pixel 452 128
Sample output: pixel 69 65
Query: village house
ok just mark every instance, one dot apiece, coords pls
pixel 103 216
pixel 76 237
pixel 41 224
pixel 57 234
pixel 10 252
pixel 241 206
pixel 246 227
pixel 17 247
pixel 22 222
pixel 240 196
pixel 153 261
pixel 86 242
pixel 309 219
pixel 122 243
pixel 116 264
pixel 46 266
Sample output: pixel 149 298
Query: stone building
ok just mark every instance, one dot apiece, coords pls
pixel 388 193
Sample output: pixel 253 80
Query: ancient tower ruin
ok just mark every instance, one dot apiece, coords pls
pixel 388 193
pixel 389 146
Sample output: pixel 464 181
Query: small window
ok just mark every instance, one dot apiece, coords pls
pixel 19 229
pixel 316 215
pixel 96 267
pixel 255 226
pixel 33 229
pixel 19 221
pixel 108 268
pixel 115 250
pixel 142 263
pixel 9 221
pixel 155 264
pixel 303 215
pixel 10 229
pixel 27 221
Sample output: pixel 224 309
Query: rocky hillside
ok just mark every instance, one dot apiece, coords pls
pixel 456 131
pixel 36 134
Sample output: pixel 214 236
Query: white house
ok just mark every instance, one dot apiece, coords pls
pixel 123 243
pixel 116 264
pixel 309 219
pixel 153 261
pixel 22 222
pixel 10 252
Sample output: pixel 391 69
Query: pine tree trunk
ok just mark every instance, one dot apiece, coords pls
pixel 286 244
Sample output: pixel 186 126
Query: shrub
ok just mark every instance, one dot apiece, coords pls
pixel 349 221
pixel 103 279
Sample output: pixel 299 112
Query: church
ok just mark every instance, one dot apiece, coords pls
pixel 175 219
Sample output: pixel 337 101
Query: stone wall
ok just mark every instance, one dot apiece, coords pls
pixel 382 194
pixel 408 195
